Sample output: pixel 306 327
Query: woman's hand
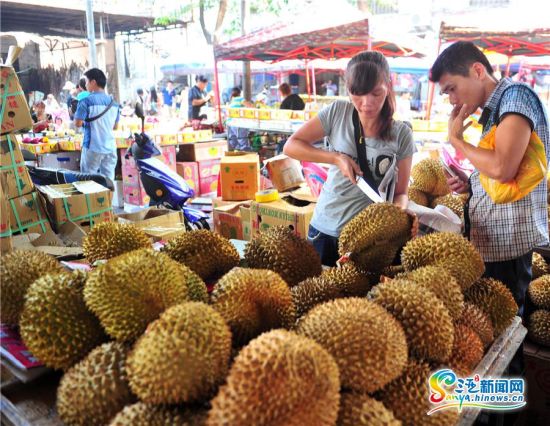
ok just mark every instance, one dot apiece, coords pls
pixel 458 183
pixel 348 167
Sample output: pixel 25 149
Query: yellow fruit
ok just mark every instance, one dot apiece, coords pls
pixel 208 254
pixel 141 414
pixel 496 300
pixel 108 239
pixel 450 251
pixel 428 176
pixel 183 356
pixel 419 197
pixel 282 251
pixel 539 292
pixel 539 327
pixel 18 270
pixel 367 343
pixel 359 409
pixel 467 349
pixel 453 202
pixel 279 378
pixel 540 267
pixel 425 319
pixel 253 301
pixel 55 325
pixel 474 318
pixel 96 388
pixel 132 290
pixel 374 236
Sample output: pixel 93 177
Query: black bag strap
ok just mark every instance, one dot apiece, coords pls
pixel 361 151
pixel 90 119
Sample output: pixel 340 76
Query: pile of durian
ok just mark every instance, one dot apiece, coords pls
pixel 279 341
pixel 539 295
pixel 429 187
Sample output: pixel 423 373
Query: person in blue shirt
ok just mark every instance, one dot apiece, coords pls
pixel 98 114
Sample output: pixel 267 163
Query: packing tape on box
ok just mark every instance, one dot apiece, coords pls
pixel 267 195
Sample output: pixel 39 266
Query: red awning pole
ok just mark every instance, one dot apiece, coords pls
pixel 313 84
pixel 217 93
pixel 307 82
pixel 431 88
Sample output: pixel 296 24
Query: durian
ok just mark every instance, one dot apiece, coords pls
pixel 368 344
pixel 539 292
pixel 476 319
pixel 540 267
pixel 425 319
pixel 453 202
pixel 374 236
pixel 419 197
pixel 133 289
pixel 93 391
pixel 279 378
pixel 109 239
pixel 208 254
pixel 442 284
pixel 18 270
pixel 408 398
pixel 539 327
pixel 450 251
pixel 252 301
pixel 428 176
pixel 333 283
pixel 496 300
pixel 467 349
pixel 183 356
pixel 359 409
pixel 55 325
pixel 141 414
pixel 282 251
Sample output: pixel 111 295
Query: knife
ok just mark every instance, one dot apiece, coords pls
pixel 369 192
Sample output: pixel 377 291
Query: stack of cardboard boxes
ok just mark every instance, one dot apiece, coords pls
pixel 239 215
pixel 22 210
pixel 132 187
pixel 199 164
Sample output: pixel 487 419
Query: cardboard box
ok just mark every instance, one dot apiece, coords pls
pixel 27 215
pixel 208 176
pixel 228 221
pixel 189 171
pixel 157 223
pixel 84 203
pixel 537 372
pixel 285 172
pixel 14 175
pixel 168 156
pixel 166 139
pixel 200 151
pixel 239 177
pixel 135 195
pixel 245 219
pixel 282 212
pixel 70 145
pixel 13 104
pixel 60 160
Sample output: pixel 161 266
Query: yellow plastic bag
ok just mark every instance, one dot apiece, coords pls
pixel 531 171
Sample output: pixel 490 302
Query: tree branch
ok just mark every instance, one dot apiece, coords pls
pixel 206 33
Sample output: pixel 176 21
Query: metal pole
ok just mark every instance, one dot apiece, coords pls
pixel 217 93
pixel 91 33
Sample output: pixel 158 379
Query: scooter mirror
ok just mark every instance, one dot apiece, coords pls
pixel 139 110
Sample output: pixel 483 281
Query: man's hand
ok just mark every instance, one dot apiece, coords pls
pixel 456 123
pixel 348 167
pixel 459 183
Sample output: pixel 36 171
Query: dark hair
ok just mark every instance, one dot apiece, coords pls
pixel 284 88
pixel 170 81
pixel 97 75
pixel 363 73
pixel 201 78
pixel 153 92
pixel 82 83
pixel 139 92
pixel 235 91
pixel 457 60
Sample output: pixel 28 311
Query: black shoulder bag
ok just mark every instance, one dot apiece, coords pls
pixel 90 119
pixel 361 152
